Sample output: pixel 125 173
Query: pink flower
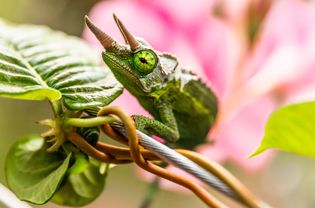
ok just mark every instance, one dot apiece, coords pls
pixel 250 84
pixel 280 68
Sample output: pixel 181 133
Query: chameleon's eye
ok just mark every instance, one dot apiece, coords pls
pixel 145 61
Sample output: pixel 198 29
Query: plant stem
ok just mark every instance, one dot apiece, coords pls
pixel 56 107
pixel 90 122
pixel 150 193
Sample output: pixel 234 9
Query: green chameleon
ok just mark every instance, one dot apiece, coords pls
pixel 183 108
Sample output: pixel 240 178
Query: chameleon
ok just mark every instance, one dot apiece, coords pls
pixel 183 107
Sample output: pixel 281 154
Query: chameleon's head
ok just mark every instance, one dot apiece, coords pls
pixel 135 64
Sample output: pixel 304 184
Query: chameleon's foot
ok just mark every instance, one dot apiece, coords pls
pixel 154 127
pixel 141 124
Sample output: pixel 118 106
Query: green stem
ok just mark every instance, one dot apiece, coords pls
pixel 150 194
pixel 56 107
pixel 90 122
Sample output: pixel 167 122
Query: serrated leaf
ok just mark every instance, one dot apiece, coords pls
pixel 83 184
pixel 33 174
pixel 38 63
pixel 291 129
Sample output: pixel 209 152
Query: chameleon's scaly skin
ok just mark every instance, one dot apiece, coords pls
pixel 193 106
pixel 183 108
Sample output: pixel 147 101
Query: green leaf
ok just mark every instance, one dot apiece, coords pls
pixel 38 63
pixel 291 129
pixel 33 174
pixel 83 184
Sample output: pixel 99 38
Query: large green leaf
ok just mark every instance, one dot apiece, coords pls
pixel 38 63
pixel 291 129
pixel 33 174
pixel 83 184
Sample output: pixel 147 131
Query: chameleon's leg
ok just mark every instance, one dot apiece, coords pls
pixel 166 128
pixel 154 127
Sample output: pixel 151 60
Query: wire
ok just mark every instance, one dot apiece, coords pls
pixel 172 157
pixel 180 161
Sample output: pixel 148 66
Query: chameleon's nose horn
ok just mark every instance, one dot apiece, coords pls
pixel 133 43
pixel 104 39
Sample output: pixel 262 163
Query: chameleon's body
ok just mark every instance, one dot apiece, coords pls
pixel 183 107
pixel 192 115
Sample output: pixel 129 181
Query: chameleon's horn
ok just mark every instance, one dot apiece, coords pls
pixel 104 39
pixel 133 43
